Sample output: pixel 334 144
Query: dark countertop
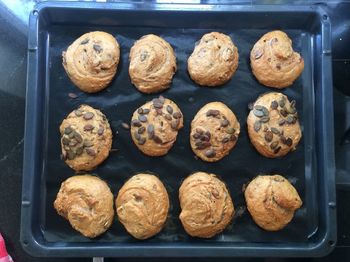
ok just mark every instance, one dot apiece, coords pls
pixel 13 44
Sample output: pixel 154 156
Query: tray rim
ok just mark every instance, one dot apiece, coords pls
pixel 326 163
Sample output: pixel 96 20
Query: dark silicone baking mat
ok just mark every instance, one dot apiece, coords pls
pixel 121 98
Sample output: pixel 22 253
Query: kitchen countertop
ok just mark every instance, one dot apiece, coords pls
pixel 13 44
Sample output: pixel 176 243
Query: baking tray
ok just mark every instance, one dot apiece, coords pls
pixel 53 26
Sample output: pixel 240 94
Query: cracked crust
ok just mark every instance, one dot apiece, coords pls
pixel 152 64
pixel 155 125
pixel 85 142
pixel 206 205
pixel 142 205
pixel 273 125
pixel 91 61
pixel 87 203
pixel 214 132
pixel 273 61
pixel 214 60
pixel 271 201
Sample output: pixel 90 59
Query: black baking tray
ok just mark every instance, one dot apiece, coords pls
pixel 53 26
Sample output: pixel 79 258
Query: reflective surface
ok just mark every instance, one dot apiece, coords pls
pixel 13 26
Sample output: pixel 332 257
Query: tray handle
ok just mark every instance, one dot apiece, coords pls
pixel 98 259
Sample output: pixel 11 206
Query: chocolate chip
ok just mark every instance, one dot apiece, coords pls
pixel 159 111
pixel 140 110
pixel 277 150
pixel 169 109
pixel 212 112
pixel 88 115
pixel 275 130
pixel 225 123
pixel 177 115
pixel 207 133
pixel 125 126
pixel 274 104
pixel 168 117
pixel 90 151
pixel 265 111
pixel 68 130
pixel 283 139
pixel 97 48
pixel 265 119
pixel 268 136
pixel 141 141
pixel 136 123
pixel 85 41
pixel 274 145
pixel 161 99
pixel 210 153
pixel 150 131
pixel 157 139
pixel 289 142
pixel 257 126
pixel 141 130
pixel 78 112
pixel 278 66
pixel 204 138
pixel 100 131
pixel 158 105
pixel 88 127
pixel 175 123
pixel 142 118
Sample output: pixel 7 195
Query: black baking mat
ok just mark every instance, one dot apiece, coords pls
pixel 121 98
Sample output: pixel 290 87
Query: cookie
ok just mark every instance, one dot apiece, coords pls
pixel 273 125
pixel 86 138
pixel 152 64
pixel 142 205
pixel 271 201
pixel 274 62
pixel 206 205
pixel 214 132
pixel 154 126
pixel 91 61
pixel 214 60
pixel 87 203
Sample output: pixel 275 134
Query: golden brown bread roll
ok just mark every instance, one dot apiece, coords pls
pixel 214 60
pixel 86 138
pixel 273 125
pixel 152 64
pixel 87 203
pixel 155 125
pixel 214 132
pixel 271 201
pixel 206 205
pixel 273 61
pixel 91 61
pixel 142 205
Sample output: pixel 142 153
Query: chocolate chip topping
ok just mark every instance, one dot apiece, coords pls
pixel 88 115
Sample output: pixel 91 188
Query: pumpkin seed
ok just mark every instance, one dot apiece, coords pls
pixel 275 130
pixel 258 54
pixel 268 136
pixel 140 110
pixel 79 151
pixel 290 119
pixel 142 118
pixel 274 145
pixel 283 112
pixel 78 112
pixel 230 130
pixel 257 126
pixel 85 41
pixel 177 115
pixel 258 113
pixel 88 143
pixel 68 130
pixel 137 135
pixel 281 122
pixel 265 119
